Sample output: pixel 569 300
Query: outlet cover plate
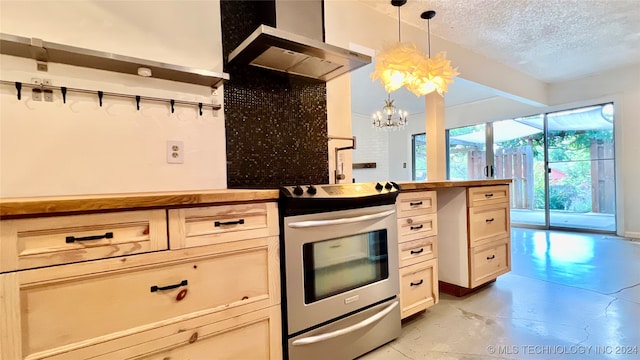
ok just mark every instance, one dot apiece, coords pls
pixel 175 152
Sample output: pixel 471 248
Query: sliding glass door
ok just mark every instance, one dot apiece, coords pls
pixel 581 169
pixel 561 165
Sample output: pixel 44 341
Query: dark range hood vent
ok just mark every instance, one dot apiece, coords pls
pixel 283 49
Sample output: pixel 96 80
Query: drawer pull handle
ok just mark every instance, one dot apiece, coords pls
pixel 417 227
pixel 416 203
pixel 488 195
pixel 219 223
pixel 491 257
pixel 417 251
pixel 335 246
pixel 489 220
pixel 71 239
pixel 169 287
pixel 418 283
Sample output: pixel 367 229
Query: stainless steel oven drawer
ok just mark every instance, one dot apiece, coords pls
pixel 344 339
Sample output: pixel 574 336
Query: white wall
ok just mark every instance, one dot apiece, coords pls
pixel 372 147
pixel 79 147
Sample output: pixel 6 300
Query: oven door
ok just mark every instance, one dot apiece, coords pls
pixel 338 262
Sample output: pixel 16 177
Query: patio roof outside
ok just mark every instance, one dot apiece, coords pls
pixel 590 118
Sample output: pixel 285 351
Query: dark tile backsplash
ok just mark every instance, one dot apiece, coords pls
pixel 276 125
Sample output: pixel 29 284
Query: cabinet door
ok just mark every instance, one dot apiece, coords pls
pixel 418 287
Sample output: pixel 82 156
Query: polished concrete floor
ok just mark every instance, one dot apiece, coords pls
pixel 568 296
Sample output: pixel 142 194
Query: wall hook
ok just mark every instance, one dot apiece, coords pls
pixel 138 102
pixel 173 102
pixel 19 88
pixel 63 90
pixel 200 107
pixel 100 94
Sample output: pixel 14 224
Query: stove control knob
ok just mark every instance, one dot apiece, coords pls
pixel 396 186
pixel 298 190
pixel 311 190
pixel 388 186
pixel 378 186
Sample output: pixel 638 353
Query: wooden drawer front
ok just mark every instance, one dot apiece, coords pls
pixel 416 203
pixel 489 261
pixel 488 223
pixel 484 195
pixel 417 227
pixel 216 224
pixel 251 336
pixel 418 287
pixel 413 252
pixel 37 242
pixel 82 308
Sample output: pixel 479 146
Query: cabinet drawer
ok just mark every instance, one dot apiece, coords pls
pixel 254 335
pixel 488 223
pixel 251 336
pixel 489 261
pixel 484 195
pixel 416 203
pixel 82 309
pixel 200 226
pixel 412 252
pixel 38 242
pixel 418 287
pixel 416 227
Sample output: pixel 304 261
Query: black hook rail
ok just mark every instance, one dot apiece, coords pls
pixel 101 94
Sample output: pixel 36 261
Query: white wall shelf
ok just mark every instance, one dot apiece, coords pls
pixel 43 51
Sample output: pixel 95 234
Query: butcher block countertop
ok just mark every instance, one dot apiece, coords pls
pixel 431 185
pixel 29 206
pixel 42 206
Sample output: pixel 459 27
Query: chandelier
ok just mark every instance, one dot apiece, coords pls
pixel 403 64
pixel 390 117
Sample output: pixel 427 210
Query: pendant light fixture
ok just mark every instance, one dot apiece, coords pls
pixel 433 73
pixel 405 65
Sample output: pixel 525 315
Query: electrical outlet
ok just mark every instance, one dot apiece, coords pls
pixel 36 94
pixel 48 95
pixel 36 81
pixel 175 152
pixel 47 82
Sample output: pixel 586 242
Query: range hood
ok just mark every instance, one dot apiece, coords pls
pixel 295 45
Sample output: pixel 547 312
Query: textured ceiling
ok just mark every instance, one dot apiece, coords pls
pixel 551 40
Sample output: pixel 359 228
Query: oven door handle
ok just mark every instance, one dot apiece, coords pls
pixel 349 329
pixel 312 223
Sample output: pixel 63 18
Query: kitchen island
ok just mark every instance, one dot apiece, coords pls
pixel 472 228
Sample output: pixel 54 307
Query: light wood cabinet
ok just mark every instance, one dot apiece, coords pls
pixel 475 236
pixel 417 251
pixel 218 294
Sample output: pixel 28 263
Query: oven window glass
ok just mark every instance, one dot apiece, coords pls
pixel 342 264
